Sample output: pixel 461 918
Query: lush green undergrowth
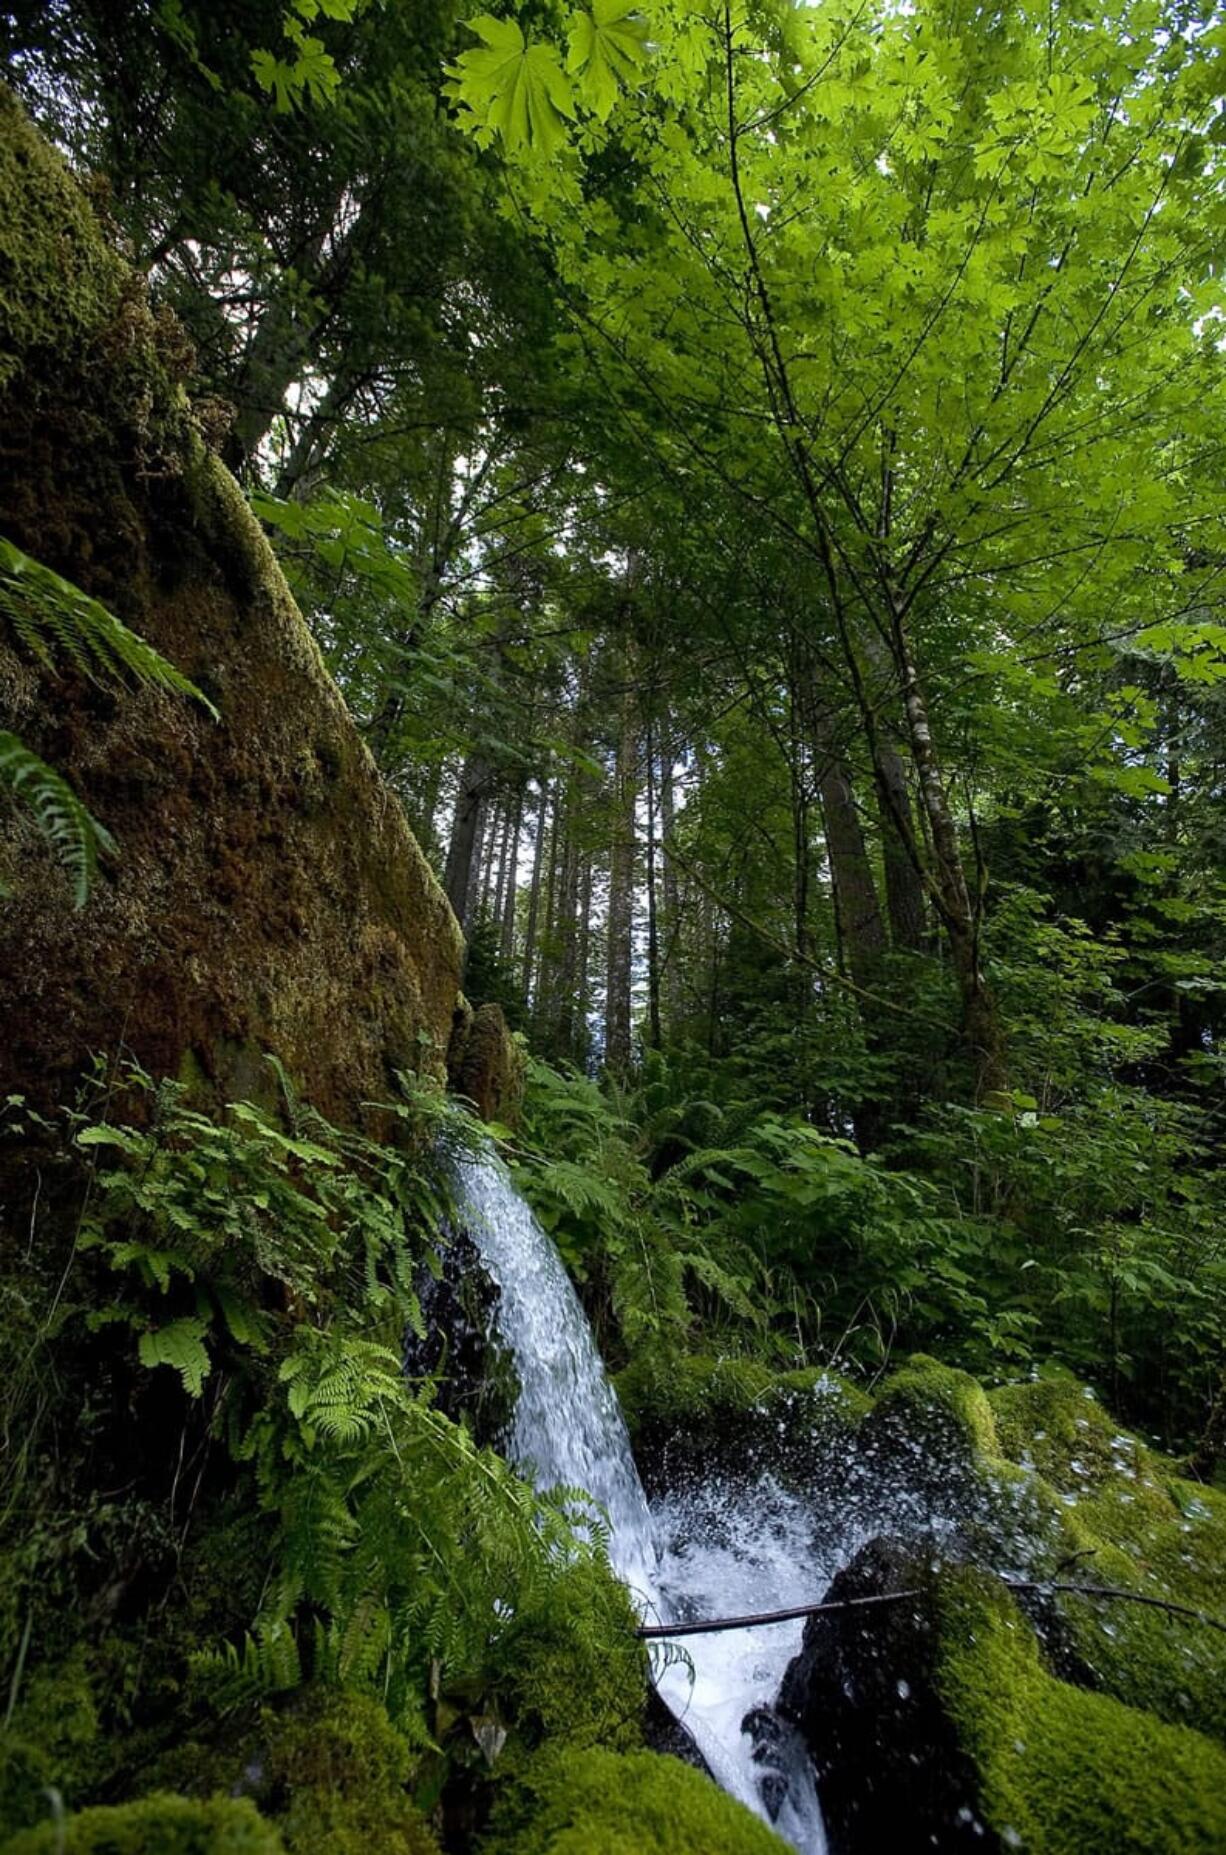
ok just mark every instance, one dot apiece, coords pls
pixel 223 1495
pixel 695 1218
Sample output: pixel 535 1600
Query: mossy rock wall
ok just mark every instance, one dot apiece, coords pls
pixel 268 895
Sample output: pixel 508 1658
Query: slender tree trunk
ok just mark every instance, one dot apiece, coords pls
pixel 980 1022
pixel 583 979
pixel 463 845
pixel 568 936
pixel 621 893
pixel 861 929
pixel 511 890
pixel 534 892
pixel 653 931
pixel 491 814
pixel 904 890
pixel 672 899
pixel 504 851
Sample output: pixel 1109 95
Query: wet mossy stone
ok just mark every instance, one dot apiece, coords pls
pixel 698 1415
pixel 58 282
pixel 267 895
pixel 935 1723
pixel 337 1770
pixel 932 1423
pixel 160 1825
pixel 1063 1770
pixel 1126 1519
pixel 890 1772
pixel 606 1803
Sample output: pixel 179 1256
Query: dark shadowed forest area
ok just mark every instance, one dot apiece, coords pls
pixel 612 927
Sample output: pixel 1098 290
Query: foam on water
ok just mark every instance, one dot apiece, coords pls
pixel 717 1550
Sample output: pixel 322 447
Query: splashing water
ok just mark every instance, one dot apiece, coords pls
pixel 716 1551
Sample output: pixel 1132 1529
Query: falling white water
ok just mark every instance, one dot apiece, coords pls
pixel 717 1551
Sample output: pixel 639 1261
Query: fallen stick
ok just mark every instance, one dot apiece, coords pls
pixel 650 1632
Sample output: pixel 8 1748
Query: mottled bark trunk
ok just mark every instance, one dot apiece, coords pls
pixel 583 980
pixel 462 847
pixel 654 1036
pixel 510 896
pixel 671 923
pixel 981 1026
pixel 904 888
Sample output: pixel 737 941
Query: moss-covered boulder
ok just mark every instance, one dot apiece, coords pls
pixel 694 1416
pixel 158 1825
pixel 267 894
pixel 606 1803
pixel 986 1697
pixel 936 1722
pixel 1127 1519
pixel 485 1063
pixel 336 1772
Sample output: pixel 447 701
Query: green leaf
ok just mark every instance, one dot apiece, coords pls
pixel 73 832
pixel 606 49
pixel 512 87
pixel 180 1344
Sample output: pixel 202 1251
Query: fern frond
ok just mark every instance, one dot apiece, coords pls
pixel 267 1663
pixel 55 619
pixel 73 832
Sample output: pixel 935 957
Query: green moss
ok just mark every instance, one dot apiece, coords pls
pixel 161 1825
pixel 603 1803
pixel 936 1410
pixel 1062 1770
pixel 1131 1522
pixel 574 1671
pixel 52 1742
pixel 58 282
pixel 338 1769
pixel 709 1398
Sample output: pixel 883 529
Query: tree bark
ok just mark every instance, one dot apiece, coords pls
pixel 981 1026
pixel 654 1037
pixel 534 893
pixel 904 890
pixel 621 892
pixel 462 847
pixel 506 945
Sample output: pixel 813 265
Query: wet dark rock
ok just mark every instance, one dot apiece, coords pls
pixel 777 1749
pixel 664 1732
pixel 890 1771
pixel 475 1374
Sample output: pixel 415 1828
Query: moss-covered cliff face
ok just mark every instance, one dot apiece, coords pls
pixel 268 894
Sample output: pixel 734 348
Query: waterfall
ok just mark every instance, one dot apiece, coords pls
pixel 717 1550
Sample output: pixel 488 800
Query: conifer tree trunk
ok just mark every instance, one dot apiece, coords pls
pixel 621 892
pixel 511 889
pixel 653 932
pixel 671 923
pixel 583 979
pixel 534 893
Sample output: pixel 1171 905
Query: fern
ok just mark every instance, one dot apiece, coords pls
pixel 267 1663
pixel 73 832
pixel 179 1344
pixel 56 621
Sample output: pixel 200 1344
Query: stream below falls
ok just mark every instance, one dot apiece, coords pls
pixel 715 1550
